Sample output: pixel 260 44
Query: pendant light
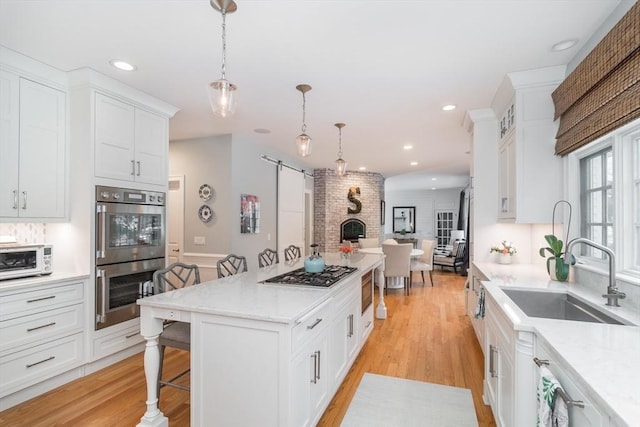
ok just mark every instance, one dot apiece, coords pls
pixel 303 141
pixel 341 165
pixel 222 93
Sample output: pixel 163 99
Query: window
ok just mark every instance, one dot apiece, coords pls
pixel 444 225
pixel 596 200
pixel 605 180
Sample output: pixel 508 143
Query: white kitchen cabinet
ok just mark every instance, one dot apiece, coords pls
pixel 528 169
pixel 344 336
pixel 590 415
pixel 131 144
pixel 33 142
pixel 42 328
pixel 509 381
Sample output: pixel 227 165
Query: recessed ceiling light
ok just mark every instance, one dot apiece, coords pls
pixel 564 45
pixel 261 130
pixel 362 168
pixel 122 65
pixel 408 147
pixel 449 107
pixel 414 163
pixel 434 179
pixel 433 188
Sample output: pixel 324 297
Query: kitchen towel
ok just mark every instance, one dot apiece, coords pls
pixel 480 305
pixel 552 409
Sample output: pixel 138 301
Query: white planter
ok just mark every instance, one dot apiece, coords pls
pixel 504 259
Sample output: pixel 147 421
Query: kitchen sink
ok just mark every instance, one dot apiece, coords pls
pixel 557 305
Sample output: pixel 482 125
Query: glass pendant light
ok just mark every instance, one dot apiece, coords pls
pixel 303 141
pixel 222 93
pixel 341 165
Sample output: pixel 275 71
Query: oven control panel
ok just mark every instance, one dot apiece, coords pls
pixel 130 196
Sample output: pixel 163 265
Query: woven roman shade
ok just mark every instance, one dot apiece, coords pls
pixel 603 92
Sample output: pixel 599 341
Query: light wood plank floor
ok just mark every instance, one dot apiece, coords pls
pixel 427 337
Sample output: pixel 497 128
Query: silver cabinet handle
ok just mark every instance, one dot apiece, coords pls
pixel 29 365
pixel 102 293
pixel 133 167
pixel 318 359
pixel 314 324
pixel 492 370
pixel 24 200
pixel 132 335
pixel 314 356
pixel 41 299
pixel 350 331
pixel 40 327
pixel 101 238
pixel 138 163
pixel 15 199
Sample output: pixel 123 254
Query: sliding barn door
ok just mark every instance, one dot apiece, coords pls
pixel 290 210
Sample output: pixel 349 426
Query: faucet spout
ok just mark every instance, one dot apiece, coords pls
pixel 613 294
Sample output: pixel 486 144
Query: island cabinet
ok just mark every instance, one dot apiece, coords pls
pixel 527 192
pixel 33 143
pixel 42 328
pixel 472 296
pixel 509 385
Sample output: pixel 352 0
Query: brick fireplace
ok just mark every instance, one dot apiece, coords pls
pixel 331 205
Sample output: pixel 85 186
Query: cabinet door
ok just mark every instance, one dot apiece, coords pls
pixel 319 393
pixel 151 148
pixel 491 369
pixel 344 340
pixel 9 143
pixel 506 180
pixel 43 153
pixel 114 138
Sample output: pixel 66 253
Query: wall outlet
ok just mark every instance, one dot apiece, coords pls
pixel 268 236
pixel 199 240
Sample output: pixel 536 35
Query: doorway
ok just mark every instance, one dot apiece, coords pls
pixel 175 219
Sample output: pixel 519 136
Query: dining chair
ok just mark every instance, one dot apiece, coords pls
pixel 390 242
pixel 425 262
pixel 292 252
pixel 267 257
pixel 371 242
pixel 174 334
pixel 230 265
pixel 397 263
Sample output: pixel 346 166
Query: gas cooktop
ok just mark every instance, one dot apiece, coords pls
pixel 330 275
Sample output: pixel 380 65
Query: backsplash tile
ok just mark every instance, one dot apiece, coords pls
pixel 25 232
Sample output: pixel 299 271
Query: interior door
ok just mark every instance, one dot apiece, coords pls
pixel 290 210
pixel 175 219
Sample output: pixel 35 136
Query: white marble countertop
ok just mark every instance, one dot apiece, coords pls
pixel 606 358
pixel 50 279
pixel 243 295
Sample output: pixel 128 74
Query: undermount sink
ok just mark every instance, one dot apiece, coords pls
pixel 557 305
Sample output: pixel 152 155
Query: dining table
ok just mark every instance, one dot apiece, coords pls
pixel 381 309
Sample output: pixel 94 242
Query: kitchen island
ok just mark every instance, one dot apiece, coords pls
pixel 596 363
pixel 263 354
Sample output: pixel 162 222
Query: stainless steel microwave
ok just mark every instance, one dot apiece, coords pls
pixel 24 260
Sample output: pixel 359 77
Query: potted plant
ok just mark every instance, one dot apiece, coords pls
pixel 505 251
pixel 557 265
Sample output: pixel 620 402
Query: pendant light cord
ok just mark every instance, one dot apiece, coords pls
pixel 224 42
pixel 304 113
pixel 339 142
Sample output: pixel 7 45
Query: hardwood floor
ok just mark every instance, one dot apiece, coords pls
pixel 426 337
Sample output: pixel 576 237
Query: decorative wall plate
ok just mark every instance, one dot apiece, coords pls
pixel 205 213
pixel 205 192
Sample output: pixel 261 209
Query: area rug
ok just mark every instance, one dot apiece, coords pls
pixel 382 401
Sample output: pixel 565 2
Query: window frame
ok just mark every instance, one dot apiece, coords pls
pixel 623 142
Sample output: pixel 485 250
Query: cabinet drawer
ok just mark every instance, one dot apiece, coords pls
pixel 37 327
pixel 24 303
pixel 309 325
pixel 24 368
pixel 109 344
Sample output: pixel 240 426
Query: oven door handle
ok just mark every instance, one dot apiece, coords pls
pixel 101 238
pixel 102 294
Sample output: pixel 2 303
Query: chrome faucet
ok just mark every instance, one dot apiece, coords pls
pixel 613 294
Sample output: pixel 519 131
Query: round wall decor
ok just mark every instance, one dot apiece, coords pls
pixel 205 192
pixel 205 213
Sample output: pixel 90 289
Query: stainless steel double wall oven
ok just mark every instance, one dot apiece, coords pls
pixel 130 246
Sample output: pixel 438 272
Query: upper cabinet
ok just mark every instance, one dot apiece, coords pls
pixel 33 141
pixel 131 144
pixel 129 130
pixel 529 172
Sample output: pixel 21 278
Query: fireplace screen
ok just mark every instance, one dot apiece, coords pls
pixel 352 230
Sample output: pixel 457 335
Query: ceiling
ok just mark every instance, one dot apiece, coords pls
pixel 385 68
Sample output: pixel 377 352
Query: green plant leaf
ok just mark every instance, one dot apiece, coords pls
pixel 562 270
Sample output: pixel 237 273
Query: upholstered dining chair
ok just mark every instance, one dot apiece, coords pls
pixel 292 252
pixel 267 257
pixel 390 242
pixel 397 263
pixel 371 242
pixel 175 334
pixel 230 265
pixel 425 262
